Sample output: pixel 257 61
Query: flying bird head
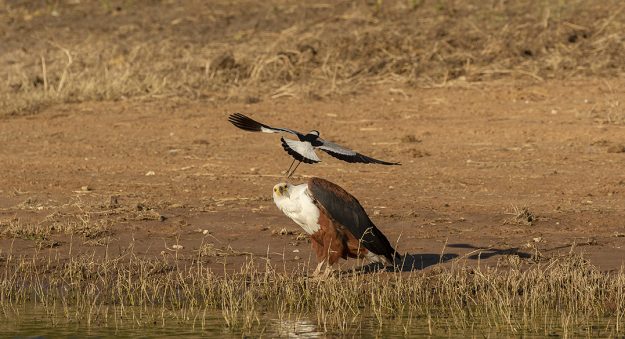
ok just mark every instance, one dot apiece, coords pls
pixel 314 132
pixel 281 189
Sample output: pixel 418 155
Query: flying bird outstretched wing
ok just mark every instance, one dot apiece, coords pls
pixel 304 149
pixel 346 210
pixel 348 155
pixel 246 123
pixel 301 151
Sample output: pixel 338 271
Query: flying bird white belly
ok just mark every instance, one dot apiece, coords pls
pixel 303 149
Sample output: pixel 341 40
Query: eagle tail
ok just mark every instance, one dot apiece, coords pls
pixel 396 260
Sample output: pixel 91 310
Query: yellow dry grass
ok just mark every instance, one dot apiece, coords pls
pixel 75 51
pixel 564 296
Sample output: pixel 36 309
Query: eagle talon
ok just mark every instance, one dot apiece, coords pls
pixel 318 268
pixel 327 272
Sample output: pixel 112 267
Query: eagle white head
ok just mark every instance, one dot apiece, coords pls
pixel 296 203
pixel 281 190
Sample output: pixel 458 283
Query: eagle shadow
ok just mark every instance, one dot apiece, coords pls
pixel 409 262
pixel 416 262
pixel 487 252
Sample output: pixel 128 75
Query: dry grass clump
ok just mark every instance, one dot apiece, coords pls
pixel 75 218
pixel 13 228
pixel 71 52
pixel 211 250
pixel 522 216
pixel 88 218
pixel 565 296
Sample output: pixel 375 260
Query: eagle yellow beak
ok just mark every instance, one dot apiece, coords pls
pixel 280 189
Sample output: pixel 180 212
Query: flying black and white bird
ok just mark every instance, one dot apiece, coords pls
pixel 303 149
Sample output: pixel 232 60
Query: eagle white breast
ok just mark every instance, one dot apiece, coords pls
pixel 296 203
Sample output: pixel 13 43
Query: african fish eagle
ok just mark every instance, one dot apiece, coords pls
pixel 337 224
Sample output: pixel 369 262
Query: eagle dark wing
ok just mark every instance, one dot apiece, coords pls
pixel 345 209
pixel 246 123
pixel 348 155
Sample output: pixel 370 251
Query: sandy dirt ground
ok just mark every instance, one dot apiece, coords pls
pixel 488 171
pixel 507 118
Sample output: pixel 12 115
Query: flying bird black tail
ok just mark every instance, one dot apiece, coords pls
pixel 245 123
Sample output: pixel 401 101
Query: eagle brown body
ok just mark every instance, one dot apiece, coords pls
pixel 336 222
pixel 333 242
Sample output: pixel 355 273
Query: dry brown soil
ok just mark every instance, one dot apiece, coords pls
pixel 79 176
pixel 507 118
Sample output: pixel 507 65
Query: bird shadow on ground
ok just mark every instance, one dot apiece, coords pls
pixel 487 252
pixel 416 262
pixel 409 262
